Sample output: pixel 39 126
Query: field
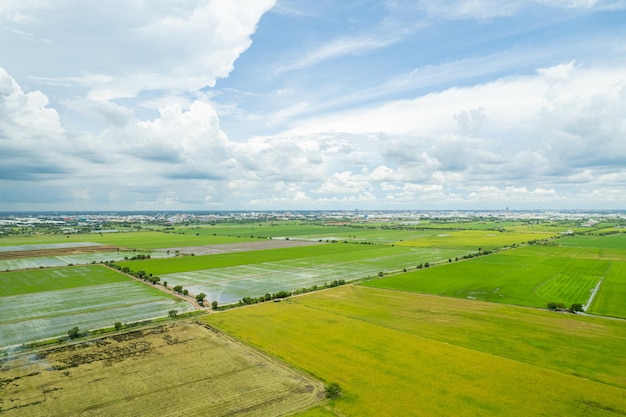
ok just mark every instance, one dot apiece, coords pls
pixel 397 353
pixel 530 276
pixel 174 370
pixel 44 303
pixel 474 239
pixel 227 278
pixel 133 240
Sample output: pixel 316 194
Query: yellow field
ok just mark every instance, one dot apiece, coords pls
pixel 400 354
pixel 182 369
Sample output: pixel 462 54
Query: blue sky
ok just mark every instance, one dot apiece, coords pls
pixel 231 104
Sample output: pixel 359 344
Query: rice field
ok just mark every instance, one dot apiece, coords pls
pixel 397 353
pixel 180 369
pixel 258 273
pixel 41 304
pixel 474 239
pixel 523 277
pixel 72 259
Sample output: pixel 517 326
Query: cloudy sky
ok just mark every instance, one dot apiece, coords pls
pixel 312 104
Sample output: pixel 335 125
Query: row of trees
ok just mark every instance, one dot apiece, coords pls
pixel 285 294
pixel 558 306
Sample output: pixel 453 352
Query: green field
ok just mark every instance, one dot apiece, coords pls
pixel 474 239
pixel 617 241
pixel 397 353
pixel 44 303
pixel 611 297
pixel 134 240
pixel 72 259
pixel 227 278
pixel 523 277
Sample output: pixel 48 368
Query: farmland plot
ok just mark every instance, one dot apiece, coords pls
pixel 41 304
pixel 527 277
pixel 404 354
pixel 73 259
pixel 230 284
pixel 181 369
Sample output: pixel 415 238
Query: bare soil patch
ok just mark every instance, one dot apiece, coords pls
pixel 241 247
pixel 57 252
pixel 172 369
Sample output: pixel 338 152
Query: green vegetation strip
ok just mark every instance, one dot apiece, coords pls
pixel 396 353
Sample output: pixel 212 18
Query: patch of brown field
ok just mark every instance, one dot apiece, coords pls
pixel 172 369
pixel 57 252
pixel 263 244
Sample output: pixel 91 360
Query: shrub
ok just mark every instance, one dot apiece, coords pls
pixel 576 307
pixel 553 305
pixel 333 391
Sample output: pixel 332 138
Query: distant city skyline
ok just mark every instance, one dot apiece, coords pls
pixel 312 105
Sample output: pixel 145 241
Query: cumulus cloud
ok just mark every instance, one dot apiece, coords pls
pixel 527 133
pixel 126 47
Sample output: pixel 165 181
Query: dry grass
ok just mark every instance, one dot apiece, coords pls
pixel 169 370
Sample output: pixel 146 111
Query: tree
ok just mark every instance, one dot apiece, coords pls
pixel 200 297
pixel 172 313
pixel 74 332
pixel 118 325
pixel 214 305
pixel 577 307
pixel 178 289
pixel 333 391
pixel 553 305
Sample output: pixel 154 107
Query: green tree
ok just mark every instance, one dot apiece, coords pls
pixel 200 297
pixel 118 325
pixel 576 307
pixel 333 391
pixel 74 332
pixel 214 305
pixel 172 313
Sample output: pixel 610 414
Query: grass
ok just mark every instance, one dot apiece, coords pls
pixel 175 370
pixel 317 254
pixel 531 276
pixel 227 278
pixel 474 239
pixel 42 280
pixel 611 298
pixel 41 304
pixel 397 353
pixel 134 240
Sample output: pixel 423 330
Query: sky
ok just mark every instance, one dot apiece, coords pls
pixel 312 105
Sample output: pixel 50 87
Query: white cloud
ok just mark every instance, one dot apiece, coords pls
pixel 123 48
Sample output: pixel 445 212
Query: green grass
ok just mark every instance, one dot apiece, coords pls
pixel 617 241
pixel 611 298
pixel 532 276
pixel 133 240
pixel 41 280
pixel 397 353
pixel 474 239
pixel 326 253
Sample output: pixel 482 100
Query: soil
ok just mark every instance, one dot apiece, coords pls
pixel 58 252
